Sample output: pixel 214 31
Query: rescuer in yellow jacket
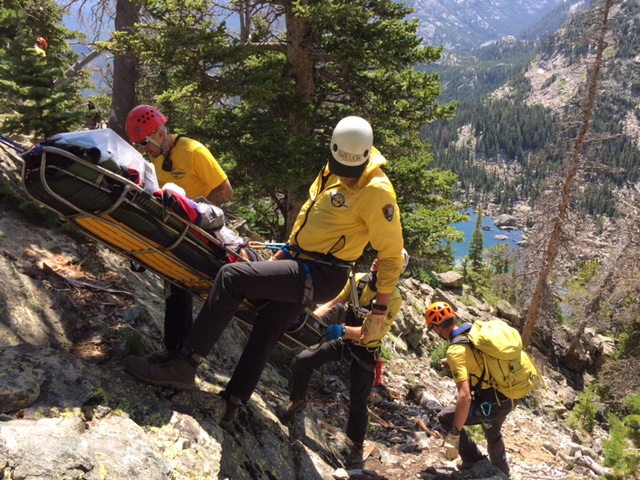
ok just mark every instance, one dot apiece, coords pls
pixel 351 204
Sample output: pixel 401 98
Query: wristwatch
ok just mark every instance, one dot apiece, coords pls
pixel 455 431
pixel 380 308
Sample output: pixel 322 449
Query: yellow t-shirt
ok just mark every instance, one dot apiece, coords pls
pixel 465 364
pixel 194 168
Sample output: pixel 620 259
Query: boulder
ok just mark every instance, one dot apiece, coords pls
pixel 504 220
pixel 507 312
pixel 450 279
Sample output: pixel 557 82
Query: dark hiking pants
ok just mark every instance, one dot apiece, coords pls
pixel 279 287
pixel 491 426
pixel 362 375
pixel 178 316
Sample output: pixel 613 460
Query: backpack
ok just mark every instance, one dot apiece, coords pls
pixel 507 367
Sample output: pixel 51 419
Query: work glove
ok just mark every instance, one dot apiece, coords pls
pixel 374 327
pixel 451 446
pixel 333 332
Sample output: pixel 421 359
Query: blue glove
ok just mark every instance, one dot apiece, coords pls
pixel 333 332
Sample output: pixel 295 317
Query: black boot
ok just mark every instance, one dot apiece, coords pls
pixel 336 314
pixel 354 457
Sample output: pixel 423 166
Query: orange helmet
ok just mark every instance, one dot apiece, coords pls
pixel 42 42
pixel 438 313
pixel 142 121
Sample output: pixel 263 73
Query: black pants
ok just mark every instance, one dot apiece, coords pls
pixel 282 284
pixel 362 375
pixel 178 316
pixel 491 426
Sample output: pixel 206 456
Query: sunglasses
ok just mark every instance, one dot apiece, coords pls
pixel 148 139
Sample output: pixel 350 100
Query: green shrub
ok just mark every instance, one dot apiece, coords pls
pixel 622 452
pixel 385 353
pixel 438 354
pixel 583 416
pixel 133 341
pixel 8 196
pixel 475 432
pixel 37 214
pixel 426 276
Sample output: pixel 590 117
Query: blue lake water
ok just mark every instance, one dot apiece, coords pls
pixel 462 249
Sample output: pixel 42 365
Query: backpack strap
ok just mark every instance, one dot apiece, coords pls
pixel 460 336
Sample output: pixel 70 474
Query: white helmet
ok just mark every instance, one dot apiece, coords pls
pixel 351 144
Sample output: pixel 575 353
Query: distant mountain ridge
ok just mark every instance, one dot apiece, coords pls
pixel 464 25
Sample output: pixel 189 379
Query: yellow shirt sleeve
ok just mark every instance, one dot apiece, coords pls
pixel 207 168
pixel 465 364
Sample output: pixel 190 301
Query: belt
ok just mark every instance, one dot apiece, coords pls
pixel 294 252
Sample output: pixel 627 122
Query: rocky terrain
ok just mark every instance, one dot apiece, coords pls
pixel 70 311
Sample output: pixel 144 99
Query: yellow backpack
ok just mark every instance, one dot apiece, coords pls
pixel 507 366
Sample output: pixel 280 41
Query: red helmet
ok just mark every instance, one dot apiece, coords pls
pixel 142 121
pixel 42 42
pixel 438 313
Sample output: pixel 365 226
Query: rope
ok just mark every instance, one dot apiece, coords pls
pixel 270 246
pixel 10 143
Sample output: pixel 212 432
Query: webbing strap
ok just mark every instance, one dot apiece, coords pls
pixel 307 297
pixel 10 143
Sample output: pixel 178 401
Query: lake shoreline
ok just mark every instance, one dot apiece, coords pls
pixel 500 230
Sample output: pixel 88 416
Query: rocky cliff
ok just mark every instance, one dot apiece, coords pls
pixel 71 310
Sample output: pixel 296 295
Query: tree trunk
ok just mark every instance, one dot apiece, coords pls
pixel 294 200
pixel 124 71
pixel 302 66
pixel 76 67
pixel 565 197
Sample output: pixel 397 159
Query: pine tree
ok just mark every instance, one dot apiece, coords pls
pixel 266 97
pixel 476 245
pixel 28 100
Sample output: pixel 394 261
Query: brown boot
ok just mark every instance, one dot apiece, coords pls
pixel 231 411
pixel 355 456
pixel 175 370
pixel 286 412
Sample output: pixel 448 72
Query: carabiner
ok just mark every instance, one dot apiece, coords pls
pixel 485 408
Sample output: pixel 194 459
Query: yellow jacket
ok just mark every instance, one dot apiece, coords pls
pixel 341 220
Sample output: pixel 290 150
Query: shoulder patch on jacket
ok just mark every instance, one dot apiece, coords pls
pixel 388 211
pixel 338 200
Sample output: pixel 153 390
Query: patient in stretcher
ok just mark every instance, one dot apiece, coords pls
pixel 207 216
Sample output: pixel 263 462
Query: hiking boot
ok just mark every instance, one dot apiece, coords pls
pixel 160 357
pixel 174 370
pixel 354 457
pixel 464 465
pixel 336 314
pixel 292 407
pixel 230 412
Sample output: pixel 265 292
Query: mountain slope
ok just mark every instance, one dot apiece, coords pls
pixel 464 25
pixel 69 313
pixel 512 128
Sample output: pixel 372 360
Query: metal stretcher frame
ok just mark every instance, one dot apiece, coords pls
pixel 114 198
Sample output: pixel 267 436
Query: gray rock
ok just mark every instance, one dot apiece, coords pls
pixel 450 279
pixel 504 220
pixel 507 312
